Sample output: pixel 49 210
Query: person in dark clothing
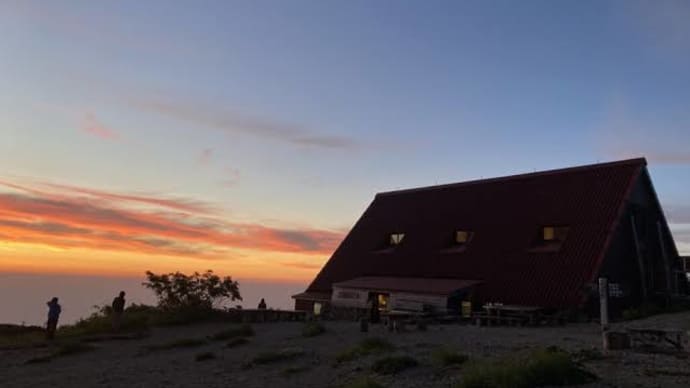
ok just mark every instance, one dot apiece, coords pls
pixel 118 310
pixel 262 304
pixel 54 311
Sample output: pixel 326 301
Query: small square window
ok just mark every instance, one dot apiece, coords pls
pixel 462 236
pixel 554 233
pixel 396 238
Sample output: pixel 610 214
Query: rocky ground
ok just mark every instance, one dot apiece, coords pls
pixel 133 363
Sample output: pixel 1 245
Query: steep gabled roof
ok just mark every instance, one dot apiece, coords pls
pixel 505 215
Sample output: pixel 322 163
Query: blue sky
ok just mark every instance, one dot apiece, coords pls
pixel 293 114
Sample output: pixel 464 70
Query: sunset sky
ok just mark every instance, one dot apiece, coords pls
pixel 249 136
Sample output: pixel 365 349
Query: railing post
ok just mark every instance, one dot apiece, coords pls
pixel 604 311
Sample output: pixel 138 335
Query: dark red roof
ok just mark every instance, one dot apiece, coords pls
pixel 412 285
pixel 505 215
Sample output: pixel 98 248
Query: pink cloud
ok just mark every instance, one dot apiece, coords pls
pixel 96 128
pixel 103 220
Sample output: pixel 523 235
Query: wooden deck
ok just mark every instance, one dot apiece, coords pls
pixel 514 315
pixel 265 315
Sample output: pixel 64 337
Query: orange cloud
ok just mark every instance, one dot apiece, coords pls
pixel 86 218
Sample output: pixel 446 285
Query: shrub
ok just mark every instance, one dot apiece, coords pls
pixel 100 322
pixel 312 329
pixel 364 382
pixel 38 360
pixel 244 330
pixel 205 356
pixel 64 349
pixel 541 368
pixel 19 336
pixel 70 348
pixel 180 343
pixel 393 365
pixel 281 355
pixel 590 354
pixel 237 342
pixel 642 311
pixel 447 357
pixel 292 370
pixel 199 291
pixel 365 347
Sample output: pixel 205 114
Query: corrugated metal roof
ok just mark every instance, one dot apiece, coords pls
pixel 505 215
pixel 412 285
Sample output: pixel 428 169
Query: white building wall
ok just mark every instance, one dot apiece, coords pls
pixel 346 297
pixel 416 302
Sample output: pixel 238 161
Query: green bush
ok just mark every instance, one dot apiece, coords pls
pixel 368 346
pixel 63 349
pixel 180 343
pixel 19 336
pixel 394 364
pixel 281 355
pixel 237 342
pixel 205 356
pixel 642 311
pixel 540 368
pixel 293 370
pixel 447 357
pixel 363 382
pixel 198 291
pixel 244 330
pixel 70 348
pixel 312 329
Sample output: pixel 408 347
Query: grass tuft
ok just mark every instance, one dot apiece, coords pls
pixel 368 346
pixel 293 370
pixel 237 342
pixel 180 343
pixel 312 329
pixel 281 355
pixel 234 332
pixel 64 349
pixel 205 356
pixel 38 360
pixel 540 368
pixel 448 357
pixel 394 364
pixel 363 382
pixel 70 348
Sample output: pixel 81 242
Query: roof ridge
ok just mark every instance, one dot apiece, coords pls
pixel 624 162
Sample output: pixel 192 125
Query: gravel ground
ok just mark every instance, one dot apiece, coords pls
pixel 127 363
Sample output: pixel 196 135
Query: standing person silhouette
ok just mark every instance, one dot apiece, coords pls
pixel 54 311
pixel 118 310
pixel 262 304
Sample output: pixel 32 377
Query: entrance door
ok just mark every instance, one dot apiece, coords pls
pixel 378 302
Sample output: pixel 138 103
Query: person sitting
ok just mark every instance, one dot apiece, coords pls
pixel 262 304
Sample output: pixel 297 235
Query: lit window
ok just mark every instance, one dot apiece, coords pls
pixel 396 238
pixel 554 233
pixel 549 239
pixel 462 236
